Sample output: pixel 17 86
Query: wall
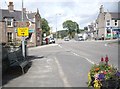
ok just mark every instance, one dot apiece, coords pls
pixel 2 32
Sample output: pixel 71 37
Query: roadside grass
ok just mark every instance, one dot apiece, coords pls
pixel 116 42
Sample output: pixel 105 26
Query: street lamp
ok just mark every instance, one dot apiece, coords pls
pixel 56 24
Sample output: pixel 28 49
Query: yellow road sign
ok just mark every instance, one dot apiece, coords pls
pixel 23 31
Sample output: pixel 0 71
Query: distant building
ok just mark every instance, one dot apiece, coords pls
pixel 91 31
pixel 107 24
pixel 8 29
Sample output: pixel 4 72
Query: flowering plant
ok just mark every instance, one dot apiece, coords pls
pixel 101 73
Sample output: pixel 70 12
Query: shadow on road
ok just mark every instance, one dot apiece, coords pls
pixel 15 71
pixel 34 57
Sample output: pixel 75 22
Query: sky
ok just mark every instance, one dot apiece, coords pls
pixel 84 12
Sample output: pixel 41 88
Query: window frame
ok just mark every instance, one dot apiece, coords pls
pixel 9 22
pixel 108 23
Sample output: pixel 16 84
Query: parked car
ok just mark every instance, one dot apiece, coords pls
pixel 43 41
pixel 81 38
pixel 66 39
pixel 51 40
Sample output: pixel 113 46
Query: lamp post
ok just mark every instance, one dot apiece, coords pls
pixel 56 25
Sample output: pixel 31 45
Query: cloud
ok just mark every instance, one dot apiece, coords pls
pixel 82 11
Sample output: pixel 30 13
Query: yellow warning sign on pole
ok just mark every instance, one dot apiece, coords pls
pixel 22 31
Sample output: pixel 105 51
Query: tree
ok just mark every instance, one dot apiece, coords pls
pixel 45 27
pixel 72 27
pixel 63 33
pixel 77 28
pixel 86 28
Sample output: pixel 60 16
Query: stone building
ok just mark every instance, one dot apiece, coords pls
pixel 107 24
pixel 8 29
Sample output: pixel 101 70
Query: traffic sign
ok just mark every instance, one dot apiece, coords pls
pixel 30 30
pixel 22 24
pixel 23 31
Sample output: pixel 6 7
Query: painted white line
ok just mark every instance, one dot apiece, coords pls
pixel 89 61
pixel 75 54
pixel 62 75
pixel 80 56
pixel 84 58
pixel 60 46
pixel 106 45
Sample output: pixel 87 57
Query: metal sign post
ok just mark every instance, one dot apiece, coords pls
pixel 23 42
pixel 23 46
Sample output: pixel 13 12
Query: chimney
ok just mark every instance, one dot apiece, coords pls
pixel 101 9
pixel 11 7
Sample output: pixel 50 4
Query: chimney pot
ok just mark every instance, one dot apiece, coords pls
pixel 24 10
pixel 11 6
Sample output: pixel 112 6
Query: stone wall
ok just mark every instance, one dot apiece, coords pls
pixel 2 32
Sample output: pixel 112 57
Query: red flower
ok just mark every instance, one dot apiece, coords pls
pixel 105 72
pixel 102 59
pixel 110 70
pixel 106 59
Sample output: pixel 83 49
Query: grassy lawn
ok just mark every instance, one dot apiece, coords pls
pixel 116 42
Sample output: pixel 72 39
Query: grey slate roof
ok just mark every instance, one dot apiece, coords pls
pixel 31 15
pixel 17 15
pixel 115 15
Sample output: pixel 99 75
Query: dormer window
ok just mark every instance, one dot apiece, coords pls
pixel 9 22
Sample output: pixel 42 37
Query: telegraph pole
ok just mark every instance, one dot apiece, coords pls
pixel 23 38
pixel 56 24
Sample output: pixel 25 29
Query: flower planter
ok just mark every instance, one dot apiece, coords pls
pixel 104 76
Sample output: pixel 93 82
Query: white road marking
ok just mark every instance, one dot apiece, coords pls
pixel 60 46
pixel 84 58
pixel 106 45
pixel 80 56
pixel 75 54
pixel 62 75
pixel 89 61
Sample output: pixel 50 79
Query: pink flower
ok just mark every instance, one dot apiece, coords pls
pixel 105 72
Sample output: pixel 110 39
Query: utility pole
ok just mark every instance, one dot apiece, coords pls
pixel 56 25
pixel 23 38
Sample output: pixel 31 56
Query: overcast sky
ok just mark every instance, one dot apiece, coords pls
pixel 57 11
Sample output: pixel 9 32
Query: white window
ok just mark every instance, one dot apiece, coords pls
pixel 9 22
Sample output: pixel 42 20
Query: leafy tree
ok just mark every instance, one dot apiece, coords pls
pixel 72 27
pixel 77 28
pixel 86 28
pixel 45 27
pixel 63 33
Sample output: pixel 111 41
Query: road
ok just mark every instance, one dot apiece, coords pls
pixel 65 64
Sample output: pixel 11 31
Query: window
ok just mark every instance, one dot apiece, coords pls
pixel 9 35
pixel 108 22
pixel 9 22
pixel 115 22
